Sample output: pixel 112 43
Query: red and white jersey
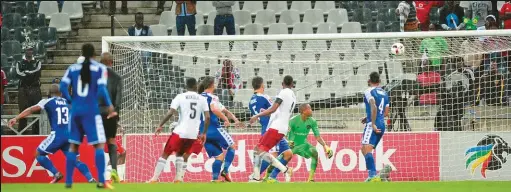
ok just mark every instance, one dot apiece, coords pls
pixel 191 107
pixel 279 120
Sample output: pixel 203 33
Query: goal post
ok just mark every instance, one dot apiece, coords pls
pixel 450 95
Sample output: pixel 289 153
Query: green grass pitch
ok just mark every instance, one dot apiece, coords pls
pixel 464 186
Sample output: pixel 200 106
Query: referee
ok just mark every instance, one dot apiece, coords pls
pixel 114 87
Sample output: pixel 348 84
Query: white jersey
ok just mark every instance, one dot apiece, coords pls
pixel 279 120
pixel 191 106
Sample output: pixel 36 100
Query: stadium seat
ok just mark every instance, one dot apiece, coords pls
pixel 25 7
pixel 277 6
pixel 265 17
pixel 434 15
pixel 199 19
pixel 205 7
pixel 40 50
pixel 289 17
pixel 302 28
pixel 301 6
pixel 11 48
pixel 48 35
pixel 48 8
pixel 351 27
pixel 205 29
pixel 6 34
pixel 168 18
pixel 5 62
pixel 253 29
pixel 350 6
pixel 159 30
pixel 375 27
pixel 242 17
pixel 342 45
pixel 211 18
pixel 314 17
pixel 390 17
pixel 392 4
pixel 465 4
pixel 236 28
pixel 61 22
pixel 253 6
pixel 242 96
pixel 325 6
pixel 21 32
pixel 218 46
pixel 35 21
pixel 11 21
pixel 338 16
pixel 73 9
pixel 277 28
pixel 373 5
pixel 236 6
pixel 327 27
pixel 395 27
pixel 362 15
pixel 7 7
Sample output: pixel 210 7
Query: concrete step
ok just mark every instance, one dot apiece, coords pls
pixel 55 67
pixel 52 73
pixel 107 24
pixel 131 11
pixel 72 52
pixel 84 39
pixel 78 45
pixel 101 32
pixel 124 18
pixel 66 59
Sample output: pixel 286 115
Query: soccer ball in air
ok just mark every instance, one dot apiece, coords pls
pixel 397 49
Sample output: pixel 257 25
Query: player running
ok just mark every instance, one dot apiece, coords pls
pixel 57 110
pixel 280 112
pixel 260 102
pixel 217 138
pixel 377 108
pixel 88 80
pixel 191 107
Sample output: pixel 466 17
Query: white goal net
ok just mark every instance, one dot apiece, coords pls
pixel 449 91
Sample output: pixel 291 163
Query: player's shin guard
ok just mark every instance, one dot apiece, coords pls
pixel 70 167
pixel 276 172
pixel 371 169
pixel 314 164
pixel 159 168
pixel 274 161
pixel 180 169
pixel 112 152
pixel 216 168
pixel 100 164
pixel 229 157
pixel 84 170
pixel 46 163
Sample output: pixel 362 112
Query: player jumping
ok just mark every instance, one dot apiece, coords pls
pixel 57 110
pixel 260 102
pixel 280 112
pixel 300 127
pixel 191 107
pixel 377 108
pixel 88 80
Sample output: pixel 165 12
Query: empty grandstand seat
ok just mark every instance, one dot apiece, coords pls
pixel 21 32
pixel 61 22
pixel 325 6
pixel 205 7
pixel 362 15
pixel 374 27
pixel 40 50
pixel 390 17
pixel 265 17
pixel 6 34
pixel 236 6
pixel 35 21
pixel 199 19
pixel 465 4
pixel 301 6
pixel 242 17
pixel 277 28
pixel 395 27
pixel 289 17
pixel 277 6
pixel 5 62
pixel 392 4
pixel 11 48
pixel 159 30
pixel 48 35
pixel 6 7
pixel 73 9
pixel 373 5
pixel 253 29
pixel 434 15
pixel 314 17
pixel 168 18
pixel 350 5
pixel 211 18
pixel 25 7
pixel 351 27
pixel 338 16
pixel 327 27
pixel 11 20
pixel 48 8
pixel 302 28
pixel 205 29
pixel 253 6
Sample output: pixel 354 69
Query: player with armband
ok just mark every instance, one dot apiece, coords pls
pixel 57 110
pixel 259 102
pixel 280 112
pixel 88 80
pixel 377 108
pixel 191 107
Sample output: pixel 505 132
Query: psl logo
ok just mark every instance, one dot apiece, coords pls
pixel 490 153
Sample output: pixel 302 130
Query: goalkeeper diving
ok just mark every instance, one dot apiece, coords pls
pixel 299 128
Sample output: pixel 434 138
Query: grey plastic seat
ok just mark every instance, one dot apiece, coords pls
pixel 12 20
pixel 73 9
pixel 236 28
pixel 277 6
pixel 325 6
pixel 265 17
pixel 199 19
pixel 205 7
pixel 168 18
pixel 211 18
pixel 48 8
pixel 25 7
pixel 289 17
pixel 376 27
pixel 362 15
pixel 35 21
pixel 61 21
pixel 338 16
pixel 253 6
pixel 302 28
pixel 236 6
pixel 465 4
pixel 11 48
pixel 21 34
pixel 6 34
pixel 327 27
pixel 253 29
pixel 313 16
pixel 159 30
pixel 174 31
pixel 351 27
pixel 277 28
pixel 301 6
pixel 205 29
pixel 39 50
pixel 395 27
pixel 242 17
pixel 6 7
pixel 48 35
pixel 373 5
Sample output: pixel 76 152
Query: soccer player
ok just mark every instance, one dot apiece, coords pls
pixel 377 108
pixel 191 107
pixel 260 102
pixel 280 112
pixel 88 81
pixel 58 112
pixel 217 138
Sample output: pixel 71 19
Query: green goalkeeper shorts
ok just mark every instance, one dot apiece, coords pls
pixel 305 150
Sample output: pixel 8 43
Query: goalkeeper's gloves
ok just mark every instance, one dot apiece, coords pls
pixel 329 152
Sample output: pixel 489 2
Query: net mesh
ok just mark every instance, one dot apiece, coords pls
pixel 439 84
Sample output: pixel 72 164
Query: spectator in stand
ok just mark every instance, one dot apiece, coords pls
pixel 29 92
pixel 505 15
pixel 407 16
pixel 433 49
pixel 139 29
pixel 494 78
pixel 490 23
pixel 4 83
pixel 185 15
pixel 423 8
pixel 224 17
pixel 228 78
pixel 451 16
pixel 479 10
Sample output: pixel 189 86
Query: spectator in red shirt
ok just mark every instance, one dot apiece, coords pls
pixel 423 8
pixel 505 14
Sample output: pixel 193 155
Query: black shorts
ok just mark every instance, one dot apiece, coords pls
pixel 110 126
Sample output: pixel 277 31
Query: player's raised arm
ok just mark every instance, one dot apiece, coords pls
pixel 172 111
pixel 230 115
pixel 27 112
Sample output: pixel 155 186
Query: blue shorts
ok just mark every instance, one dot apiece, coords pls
pixel 281 146
pixel 90 125
pixel 216 142
pixel 52 144
pixel 369 137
